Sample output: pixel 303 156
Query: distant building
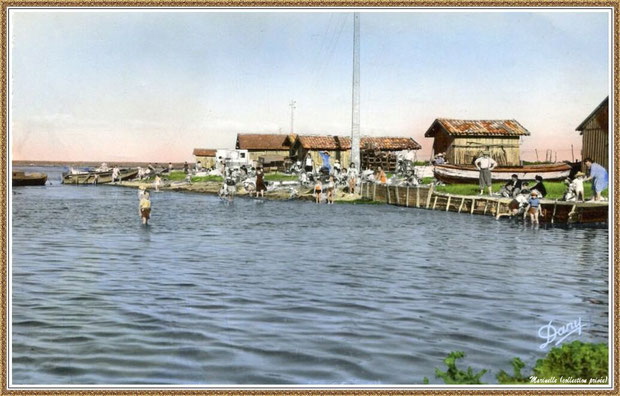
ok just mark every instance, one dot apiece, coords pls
pixel 206 157
pixel 595 132
pixel 273 145
pixel 339 148
pixel 463 140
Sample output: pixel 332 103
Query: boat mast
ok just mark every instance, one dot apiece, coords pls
pixel 355 122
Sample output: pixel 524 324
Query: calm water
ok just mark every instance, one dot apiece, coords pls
pixel 283 292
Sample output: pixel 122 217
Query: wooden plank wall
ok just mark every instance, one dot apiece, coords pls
pixel 596 146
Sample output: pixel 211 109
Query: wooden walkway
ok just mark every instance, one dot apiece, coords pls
pixel 425 197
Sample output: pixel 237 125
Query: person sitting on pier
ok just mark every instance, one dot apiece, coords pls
pixel 145 207
pixel 540 187
pixel 439 159
pixel 533 208
pixel 380 176
pixel 318 188
pixel 599 178
pixel 512 187
pixel 485 164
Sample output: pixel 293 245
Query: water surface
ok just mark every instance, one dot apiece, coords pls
pixel 283 292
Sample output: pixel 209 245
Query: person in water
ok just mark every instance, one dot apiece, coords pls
pixel 534 203
pixel 331 186
pixel 260 182
pixel 318 188
pixel 145 207
pixel 352 176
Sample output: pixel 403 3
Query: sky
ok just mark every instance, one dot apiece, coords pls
pixel 119 85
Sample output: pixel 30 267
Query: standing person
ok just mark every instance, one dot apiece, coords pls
pixel 318 188
pixel 169 167
pixel 380 177
pixel 485 165
pixel 260 183
pixel 352 176
pixel 157 182
pixel 115 174
pixel 331 186
pixel 145 207
pixel 534 203
pixel 185 167
pixel 599 177
pixel 309 167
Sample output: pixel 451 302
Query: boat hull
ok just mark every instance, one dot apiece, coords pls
pixel 97 177
pixel 33 179
pixel 453 174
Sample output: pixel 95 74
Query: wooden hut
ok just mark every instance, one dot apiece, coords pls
pixel 263 144
pixel 595 134
pixel 463 140
pixel 373 150
pixel 206 157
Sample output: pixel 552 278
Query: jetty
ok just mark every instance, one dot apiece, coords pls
pixel 425 197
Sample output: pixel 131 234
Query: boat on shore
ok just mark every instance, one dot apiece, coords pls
pixel 31 179
pixel 468 174
pixel 98 177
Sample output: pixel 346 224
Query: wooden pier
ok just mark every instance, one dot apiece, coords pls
pixel 425 197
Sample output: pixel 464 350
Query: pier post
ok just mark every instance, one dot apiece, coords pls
pixel 397 197
pixel 461 205
pixel 417 196
pixel 497 210
pixel 473 205
pixel 555 206
pixel 448 204
pixel 430 195
pixel 387 191
pixel 486 205
pixel 407 200
pixel 374 192
pixel 435 202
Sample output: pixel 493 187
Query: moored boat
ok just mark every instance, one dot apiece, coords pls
pixel 468 174
pixel 31 179
pixel 97 177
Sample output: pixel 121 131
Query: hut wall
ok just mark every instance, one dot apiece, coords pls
pixel 596 141
pixel 442 142
pixel 504 150
pixel 342 156
pixel 206 162
pixel 254 154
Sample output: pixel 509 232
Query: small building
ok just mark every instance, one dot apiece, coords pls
pixel 205 157
pixel 263 144
pixel 595 135
pixel 339 148
pixel 462 140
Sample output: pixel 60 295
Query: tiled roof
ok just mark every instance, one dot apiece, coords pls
pixel 477 128
pixel 366 142
pixel 255 141
pixel 204 152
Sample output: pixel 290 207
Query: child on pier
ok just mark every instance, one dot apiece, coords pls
pixel 145 208
pixel 534 203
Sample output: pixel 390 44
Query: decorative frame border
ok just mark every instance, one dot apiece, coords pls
pixel 238 389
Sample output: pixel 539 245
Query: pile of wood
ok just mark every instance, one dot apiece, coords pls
pixel 374 158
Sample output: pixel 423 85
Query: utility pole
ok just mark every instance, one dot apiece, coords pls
pixel 292 104
pixel 355 122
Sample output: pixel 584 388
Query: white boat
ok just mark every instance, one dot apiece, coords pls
pixel 468 174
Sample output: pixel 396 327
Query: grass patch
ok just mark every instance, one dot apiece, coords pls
pixel 555 190
pixel 277 176
pixel 176 176
pixel 209 178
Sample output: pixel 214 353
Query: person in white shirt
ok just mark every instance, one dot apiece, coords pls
pixel 352 176
pixel 485 164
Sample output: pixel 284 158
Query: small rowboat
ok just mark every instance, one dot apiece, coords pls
pixel 468 174
pixel 31 179
pixel 98 177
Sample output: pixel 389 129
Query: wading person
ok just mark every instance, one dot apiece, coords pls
pixel 260 182
pixel 352 176
pixel 318 188
pixel 145 207
pixel 599 178
pixel 157 182
pixel 331 186
pixel 485 165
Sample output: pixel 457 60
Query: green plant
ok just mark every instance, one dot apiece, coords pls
pixel 276 176
pixel 575 359
pixel 517 378
pixel 209 178
pixel 455 376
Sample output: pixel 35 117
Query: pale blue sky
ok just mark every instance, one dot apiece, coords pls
pixel 153 85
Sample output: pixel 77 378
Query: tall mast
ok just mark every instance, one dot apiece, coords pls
pixel 292 104
pixel 355 123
